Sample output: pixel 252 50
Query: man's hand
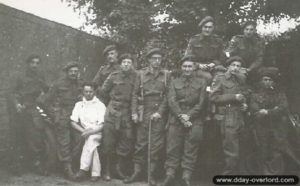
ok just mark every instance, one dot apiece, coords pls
pixel 203 67
pixel 87 132
pixel 156 116
pixel 134 118
pixel 185 117
pixel 187 124
pixel 263 111
pixel 244 107
pixel 20 107
pixel 239 97
pixel 211 65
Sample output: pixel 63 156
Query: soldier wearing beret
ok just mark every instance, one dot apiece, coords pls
pixel 60 100
pixel 249 46
pixel 118 135
pixel 186 97
pixel 207 48
pixel 24 92
pixel 229 93
pixel 150 92
pixel 111 55
pixel 268 106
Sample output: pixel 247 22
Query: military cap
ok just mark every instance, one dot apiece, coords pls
pixel 234 58
pixel 154 51
pixel 206 20
pixel 244 25
pixel 31 57
pixel 126 56
pixel 272 72
pixel 109 48
pixel 70 64
pixel 188 58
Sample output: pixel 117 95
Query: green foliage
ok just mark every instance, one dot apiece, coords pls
pixel 134 23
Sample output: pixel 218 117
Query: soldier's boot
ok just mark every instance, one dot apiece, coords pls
pixel 107 172
pixel 186 177
pixel 119 167
pixel 152 180
pixel 69 174
pixel 167 181
pixel 136 173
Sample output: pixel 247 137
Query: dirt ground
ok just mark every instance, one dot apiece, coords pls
pixel 30 179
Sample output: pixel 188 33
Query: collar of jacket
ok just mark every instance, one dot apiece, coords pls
pixel 150 71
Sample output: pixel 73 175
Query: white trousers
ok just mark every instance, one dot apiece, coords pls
pixel 89 159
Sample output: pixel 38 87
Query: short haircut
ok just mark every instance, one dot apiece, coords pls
pixel 90 84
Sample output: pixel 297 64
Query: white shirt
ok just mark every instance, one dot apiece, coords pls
pixel 89 114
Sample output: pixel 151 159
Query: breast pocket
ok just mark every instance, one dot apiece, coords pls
pixel 198 50
pixel 180 90
pixel 229 87
pixel 64 92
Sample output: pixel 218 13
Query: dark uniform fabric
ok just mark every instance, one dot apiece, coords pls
pixel 104 72
pixel 29 129
pixel 206 50
pixel 250 49
pixel 154 90
pixel 186 95
pixel 60 101
pixel 270 129
pixel 118 130
pixel 229 114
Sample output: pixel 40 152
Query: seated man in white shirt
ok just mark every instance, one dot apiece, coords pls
pixel 87 117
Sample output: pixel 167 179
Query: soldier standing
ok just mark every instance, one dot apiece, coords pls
pixel 186 97
pixel 269 106
pixel 207 48
pixel 118 130
pixel 60 101
pixel 111 54
pixel 24 92
pixel 229 94
pixel 249 46
pixel 149 91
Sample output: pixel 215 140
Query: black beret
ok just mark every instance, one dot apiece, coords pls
pixel 126 56
pixel 234 58
pixel 70 64
pixel 31 57
pixel 272 72
pixel 109 48
pixel 244 25
pixel 154 51
pixel 188 58
pixel 206 20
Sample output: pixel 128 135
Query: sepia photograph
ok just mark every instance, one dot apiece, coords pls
pixel 149 92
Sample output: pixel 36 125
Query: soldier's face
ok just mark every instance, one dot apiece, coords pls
pixel 88 92
pixel 112 56
pixel 249 31
pixel 34 64
pixel 267 82
pixel 208 28
pixel 235 67
pixel 155 60
pixel 126 64
pixel 73 73
pixel 188 68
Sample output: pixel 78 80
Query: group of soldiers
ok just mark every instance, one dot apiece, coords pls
pixel 153 113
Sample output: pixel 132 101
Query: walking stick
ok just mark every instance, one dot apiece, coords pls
pixel 149 151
